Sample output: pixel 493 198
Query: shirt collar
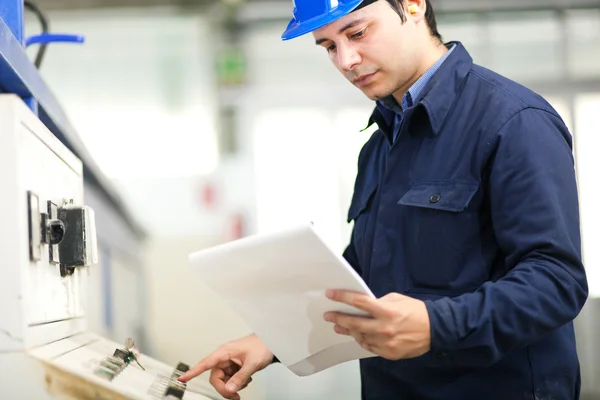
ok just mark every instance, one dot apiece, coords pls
pixel 438 94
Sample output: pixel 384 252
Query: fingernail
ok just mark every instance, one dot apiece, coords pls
pixel 329 293
pixel 231 387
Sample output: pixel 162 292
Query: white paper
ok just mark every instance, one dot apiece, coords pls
pixel 276 282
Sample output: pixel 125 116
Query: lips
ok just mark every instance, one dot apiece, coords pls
pixel 364 80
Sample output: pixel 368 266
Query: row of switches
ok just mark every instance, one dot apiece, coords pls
pixel 176 389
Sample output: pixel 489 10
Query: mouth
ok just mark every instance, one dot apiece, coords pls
pixel 364 80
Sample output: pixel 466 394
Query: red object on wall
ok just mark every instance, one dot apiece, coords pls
pixel 208 195
pixel 236 227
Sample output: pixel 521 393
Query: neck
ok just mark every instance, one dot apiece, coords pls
pixel 431 56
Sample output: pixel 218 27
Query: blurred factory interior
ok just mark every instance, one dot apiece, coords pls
pixel 197 125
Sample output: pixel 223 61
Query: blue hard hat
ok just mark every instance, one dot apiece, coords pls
pixel 310 15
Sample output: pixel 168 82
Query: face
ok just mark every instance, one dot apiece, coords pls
pixel 373 48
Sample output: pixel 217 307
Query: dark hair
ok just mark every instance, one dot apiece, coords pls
pixel 397 5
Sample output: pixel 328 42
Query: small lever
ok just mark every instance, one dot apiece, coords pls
pixel 133 351
pixel 55 231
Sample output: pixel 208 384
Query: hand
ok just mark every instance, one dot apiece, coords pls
pixel 232 365
pixel 398 327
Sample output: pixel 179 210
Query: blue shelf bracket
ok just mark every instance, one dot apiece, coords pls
pixel 13 43
pixel 11 11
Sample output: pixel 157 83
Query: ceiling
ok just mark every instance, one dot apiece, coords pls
pixel 443 6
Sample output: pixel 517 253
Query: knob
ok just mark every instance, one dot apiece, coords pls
pixel 55 230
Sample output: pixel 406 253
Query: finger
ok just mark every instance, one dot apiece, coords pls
pixel 353 323
pixel 238 380
pixel 217 374
pixel 360 338
pixel 357 300
pixel 367 342
pixel 204 365
pixel 246 385
pixel 367 346
pixel 230 370
pixel 218 379
pixel 341 330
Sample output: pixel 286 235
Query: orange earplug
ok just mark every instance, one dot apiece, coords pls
pixel 413 8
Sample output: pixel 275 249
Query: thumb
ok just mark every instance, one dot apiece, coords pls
pixel 238 380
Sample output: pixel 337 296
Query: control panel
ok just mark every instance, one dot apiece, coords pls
pixel 47 247
pixel 170 387
pixel 92 367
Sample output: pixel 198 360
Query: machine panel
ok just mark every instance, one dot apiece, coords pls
pixel 52 183
pixel 87 363
pixel 47 247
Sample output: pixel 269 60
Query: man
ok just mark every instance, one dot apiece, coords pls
pixel 466 223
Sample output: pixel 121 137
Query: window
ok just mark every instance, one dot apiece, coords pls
pixel 587 143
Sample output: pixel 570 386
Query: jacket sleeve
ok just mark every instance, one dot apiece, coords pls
pixel 535 216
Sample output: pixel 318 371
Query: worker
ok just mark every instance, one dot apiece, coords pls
pixel 466 221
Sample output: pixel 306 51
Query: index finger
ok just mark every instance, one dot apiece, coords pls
pixel 204 365
pixel 357 300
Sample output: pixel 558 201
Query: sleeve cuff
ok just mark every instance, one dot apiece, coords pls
pixel 442 326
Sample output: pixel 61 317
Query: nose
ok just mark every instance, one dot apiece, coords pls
pixel 348 57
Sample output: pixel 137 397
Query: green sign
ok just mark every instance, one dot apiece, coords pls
pixel 231 67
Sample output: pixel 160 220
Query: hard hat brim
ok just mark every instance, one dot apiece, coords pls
pixel 296 29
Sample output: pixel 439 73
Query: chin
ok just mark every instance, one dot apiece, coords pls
pixel 376 91
pixel 375 95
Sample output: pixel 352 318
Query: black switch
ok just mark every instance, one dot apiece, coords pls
pixel 183 367
pixel 175 392
pixel 123 355
pixel 56 231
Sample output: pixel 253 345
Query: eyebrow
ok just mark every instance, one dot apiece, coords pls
pixel 349 25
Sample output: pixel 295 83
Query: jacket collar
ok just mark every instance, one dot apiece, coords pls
pixel 438 96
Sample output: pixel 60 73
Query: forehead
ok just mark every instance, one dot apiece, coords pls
pixel 368 13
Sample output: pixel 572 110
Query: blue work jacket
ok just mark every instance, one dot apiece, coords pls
pixel 474 210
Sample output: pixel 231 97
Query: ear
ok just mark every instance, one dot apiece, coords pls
pixel 416 9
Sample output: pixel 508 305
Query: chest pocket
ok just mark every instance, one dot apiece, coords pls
pixel 442 226
pixel 446 196
pixel 360 213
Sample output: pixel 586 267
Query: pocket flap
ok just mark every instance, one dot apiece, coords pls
pixel 448 196
pixel 360 202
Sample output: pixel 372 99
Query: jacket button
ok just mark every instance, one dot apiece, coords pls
pixel 435 198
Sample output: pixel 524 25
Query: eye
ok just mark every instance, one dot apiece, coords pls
pixel 359 34
pixel 331 48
